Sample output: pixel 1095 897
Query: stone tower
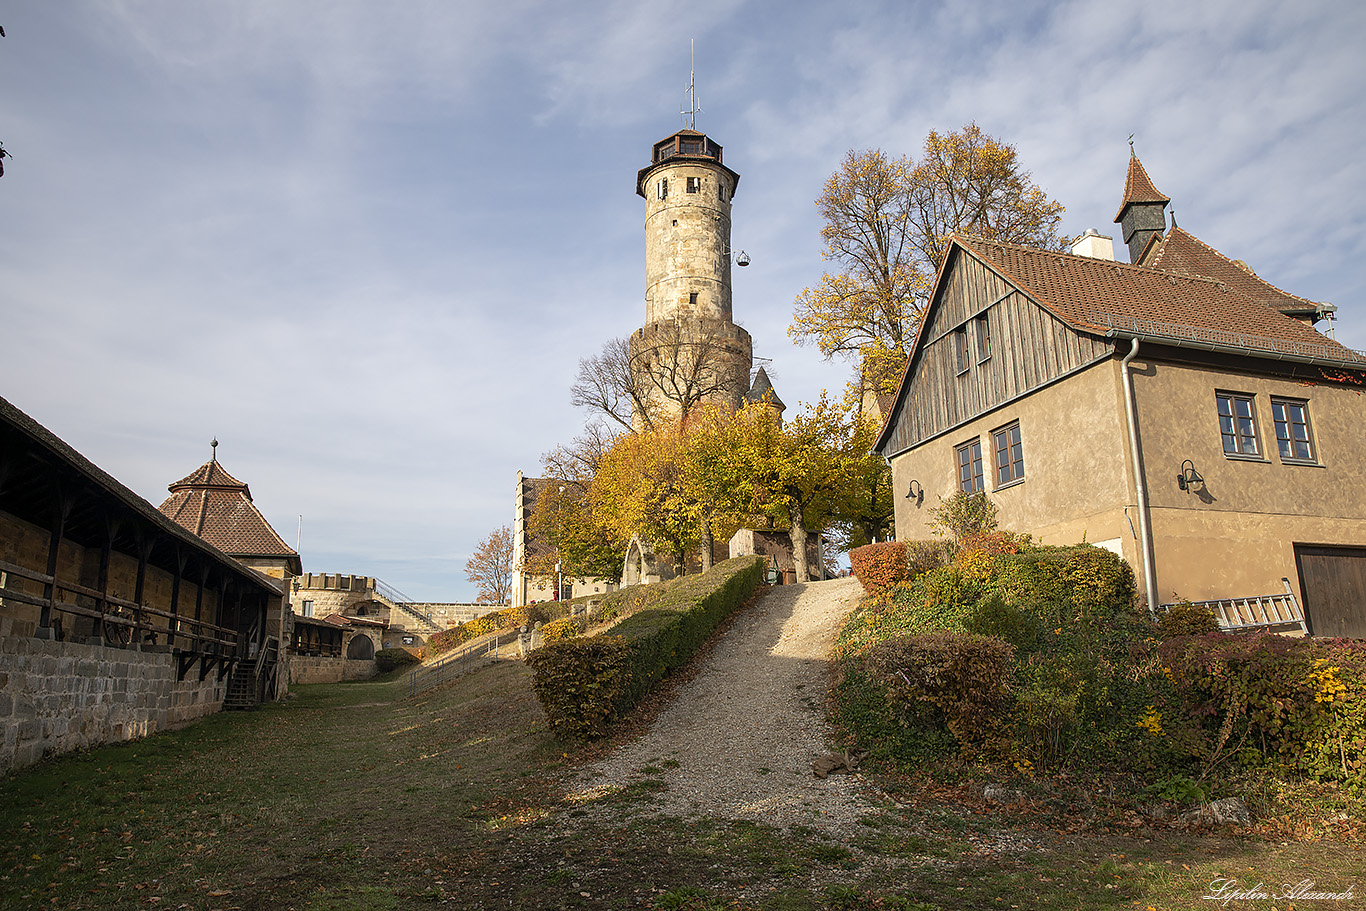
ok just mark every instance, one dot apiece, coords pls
pixel 689 351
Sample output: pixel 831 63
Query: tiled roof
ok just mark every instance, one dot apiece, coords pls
pixel 1096 295
pixel 211 474
pixel 762 387
pixel 1138 188
pixel 1181 251
pixel 217 507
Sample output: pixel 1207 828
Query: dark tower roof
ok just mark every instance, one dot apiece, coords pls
pixel 1141 213
pixel 217 507
pixel 762 391
pixel 685 144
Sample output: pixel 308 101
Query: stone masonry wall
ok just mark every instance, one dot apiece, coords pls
pixel 61 696
pixel 314 669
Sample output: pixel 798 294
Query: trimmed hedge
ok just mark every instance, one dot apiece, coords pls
pixel 964 677
pixel 880 567
pixel 585 684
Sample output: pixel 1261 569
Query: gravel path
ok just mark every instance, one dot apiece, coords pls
pixel 739 738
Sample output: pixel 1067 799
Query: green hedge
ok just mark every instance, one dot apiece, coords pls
pixel 585 684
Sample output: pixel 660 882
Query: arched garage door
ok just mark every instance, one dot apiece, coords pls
pixel 1333 580
pixel 361 647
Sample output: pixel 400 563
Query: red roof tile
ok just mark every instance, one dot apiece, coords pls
pixel 217 507
pixel 1138 188
pixel 1096 295
pixel 1181 251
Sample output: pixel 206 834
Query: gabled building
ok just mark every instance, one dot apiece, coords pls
pixel 1182 412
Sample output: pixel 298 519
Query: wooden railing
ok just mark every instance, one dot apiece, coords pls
pixel 122 622
pixel 1278 611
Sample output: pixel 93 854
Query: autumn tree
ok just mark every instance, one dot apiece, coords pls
pixel 641 489
pixel 809 472
pixel 490 567
pixel 562 522
pixel 887 224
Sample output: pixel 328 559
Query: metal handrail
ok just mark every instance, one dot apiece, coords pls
pixel 457 662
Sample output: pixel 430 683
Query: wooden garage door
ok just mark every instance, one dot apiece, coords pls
pixel 1333 580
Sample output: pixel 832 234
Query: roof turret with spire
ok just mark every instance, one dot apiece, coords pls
pixel 1141 215
pixel 218 508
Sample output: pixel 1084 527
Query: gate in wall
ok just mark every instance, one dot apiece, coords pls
pixel 1333 581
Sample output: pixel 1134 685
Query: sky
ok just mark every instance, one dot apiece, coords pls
pixel 366 245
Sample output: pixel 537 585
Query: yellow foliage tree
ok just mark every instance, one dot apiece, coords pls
pixel 887 224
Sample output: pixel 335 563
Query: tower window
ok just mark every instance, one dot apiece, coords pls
pixel 692 298
pixel 663 187
pixel 720 189
pixel 694 184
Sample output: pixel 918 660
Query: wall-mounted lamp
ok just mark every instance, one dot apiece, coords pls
pixel 917 493
pixel 1188 477
pixel 741 257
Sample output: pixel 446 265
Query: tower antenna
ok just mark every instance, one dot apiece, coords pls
pixel 689 115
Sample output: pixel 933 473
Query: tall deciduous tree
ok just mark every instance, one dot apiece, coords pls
pixel 490 567
pixel 887 224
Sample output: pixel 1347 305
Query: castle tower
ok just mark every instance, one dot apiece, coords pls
pixel 689 351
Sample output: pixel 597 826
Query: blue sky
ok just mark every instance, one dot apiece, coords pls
pixel 366 245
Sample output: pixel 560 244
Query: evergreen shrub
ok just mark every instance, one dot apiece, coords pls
pixel 609 675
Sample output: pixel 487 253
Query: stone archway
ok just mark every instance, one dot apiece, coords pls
pixel 361 647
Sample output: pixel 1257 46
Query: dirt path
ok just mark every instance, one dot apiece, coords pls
pixel 739 738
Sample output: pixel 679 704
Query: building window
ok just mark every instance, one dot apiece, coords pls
pixel 692 298
pixel 983 337
pixel 694 184
pixel 663 189
pixel 1237 424
pixel 308 608
pixel 1292 430
pixel 960 348
pixel 1009 455
pixel 721 190
pixel 970 467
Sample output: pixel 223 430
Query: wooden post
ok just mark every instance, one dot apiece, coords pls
pixel 199 608
pixel 111 528
pixel 145 543
pixel 180 558
pixel 60 513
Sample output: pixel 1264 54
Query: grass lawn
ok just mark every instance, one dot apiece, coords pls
pixel 353 797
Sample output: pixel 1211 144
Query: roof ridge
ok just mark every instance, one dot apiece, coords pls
pixel 1093 261
pixel 1234 263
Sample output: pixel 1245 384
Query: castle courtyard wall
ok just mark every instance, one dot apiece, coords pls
pixel 60 696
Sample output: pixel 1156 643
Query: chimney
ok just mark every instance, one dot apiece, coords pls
pixel 1095 245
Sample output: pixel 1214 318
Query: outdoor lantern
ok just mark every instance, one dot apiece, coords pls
pixel 917 492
